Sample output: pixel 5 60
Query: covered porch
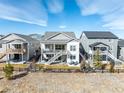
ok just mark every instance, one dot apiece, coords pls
pixel 54 52
pixel 100 48
pixel 17 51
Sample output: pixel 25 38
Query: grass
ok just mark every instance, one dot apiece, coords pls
pixel 41 66
pixel 15 65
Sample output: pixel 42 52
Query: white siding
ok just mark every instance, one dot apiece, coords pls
pixel 76 53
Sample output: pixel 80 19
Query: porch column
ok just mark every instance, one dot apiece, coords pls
pixel 54 47
pixel 107 54
pixel 22 50
pixel 41 51
pixel 27 51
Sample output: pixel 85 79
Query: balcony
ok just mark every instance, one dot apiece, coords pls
pixel 16 51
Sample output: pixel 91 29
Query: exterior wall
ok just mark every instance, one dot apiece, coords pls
pixel 85 42
pixel 122 53
pixel 113 43
pixel 76 53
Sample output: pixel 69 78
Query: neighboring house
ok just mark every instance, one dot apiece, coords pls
pixel 59 47
pixel 121 50
pixel 36 36
pixel 1 36
pixel 105 42
pixel 17 48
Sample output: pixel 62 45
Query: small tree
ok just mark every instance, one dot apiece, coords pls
pixel 82 65
pixel 97 60
pixel 8 70
pixel 111 69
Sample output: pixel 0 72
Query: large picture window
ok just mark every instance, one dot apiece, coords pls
pixel 18 46
pixel 60 47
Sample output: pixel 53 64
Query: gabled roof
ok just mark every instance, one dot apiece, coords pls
pixel 98 43
pixel 121 43
pixel 25 37
pixel 51 34
pixel 99 35
pixel 48 35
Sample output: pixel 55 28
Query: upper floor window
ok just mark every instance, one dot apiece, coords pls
pixel 73 48
pixel 18 46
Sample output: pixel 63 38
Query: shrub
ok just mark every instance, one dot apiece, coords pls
pixel 8 70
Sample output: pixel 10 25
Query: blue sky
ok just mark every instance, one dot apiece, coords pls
pixel 38 16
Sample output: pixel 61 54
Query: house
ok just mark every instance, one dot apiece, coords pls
pixel 105 42
pixel 121 50
pixel 60 47
pixel 1 36
pixel 17 48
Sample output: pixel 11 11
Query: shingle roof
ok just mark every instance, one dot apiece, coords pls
pixel 26 37
pixel 121 43
pixel 100 35
pixel 49 34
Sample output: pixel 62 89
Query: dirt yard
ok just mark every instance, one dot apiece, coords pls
pixel 64 83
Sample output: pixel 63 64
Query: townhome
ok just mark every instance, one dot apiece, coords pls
pixel 1 36
pixel 60 47
pixel 17 48
pixel 105 42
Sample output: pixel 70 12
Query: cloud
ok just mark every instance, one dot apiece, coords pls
pixel 27 11
pixel 111 11
pixel 55 6
pixel 62 26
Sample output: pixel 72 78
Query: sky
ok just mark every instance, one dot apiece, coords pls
pixel 39 16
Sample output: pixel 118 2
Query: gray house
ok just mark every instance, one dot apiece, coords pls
pixel 17 48
pixel 105 42
pixel 59 47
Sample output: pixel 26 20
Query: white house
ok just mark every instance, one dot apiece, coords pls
pixel 17 48
pixel 59 47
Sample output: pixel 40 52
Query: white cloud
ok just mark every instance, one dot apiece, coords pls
pixel 34 13
pixel 55 6
pixel 111 11
pixel 62 26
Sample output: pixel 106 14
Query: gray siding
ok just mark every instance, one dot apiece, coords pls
pixel 113 43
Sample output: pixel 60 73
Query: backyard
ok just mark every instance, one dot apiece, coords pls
pixel 39 82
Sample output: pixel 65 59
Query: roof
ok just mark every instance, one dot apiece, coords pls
pixel 26 37
pixel 97 43
pixel 121 43
pixel 100 35
pixel 3 41
pixel 48 35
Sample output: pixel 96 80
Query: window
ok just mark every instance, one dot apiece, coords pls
pixel 18 46
pixel 72 48
pixel 60 47
pixel 72 57
pixel 0 45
